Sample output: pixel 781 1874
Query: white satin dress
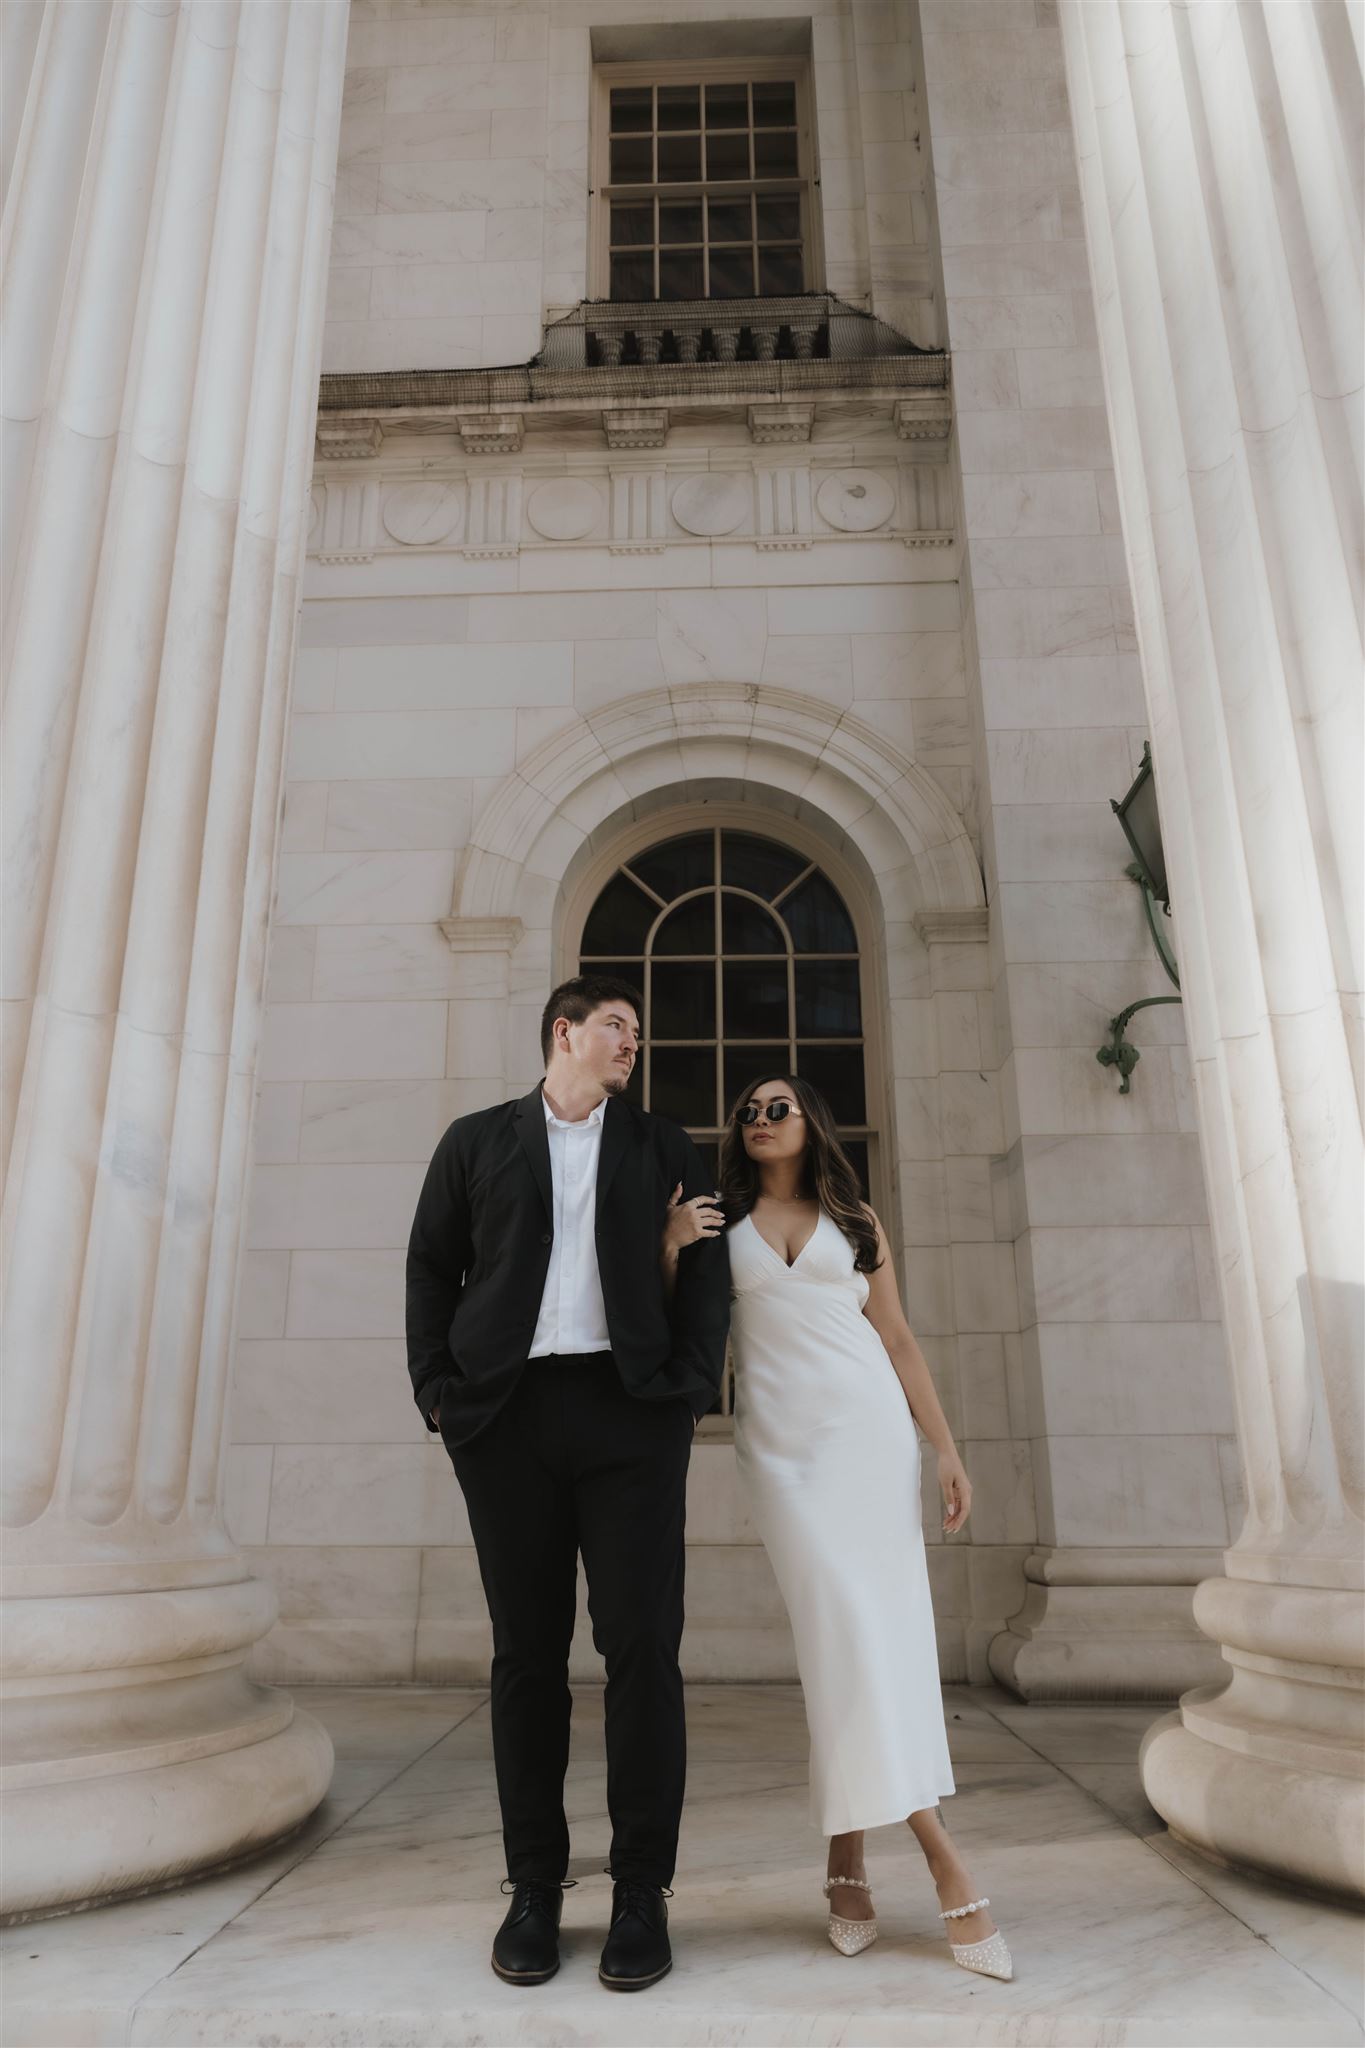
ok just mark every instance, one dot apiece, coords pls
pixel 829 1453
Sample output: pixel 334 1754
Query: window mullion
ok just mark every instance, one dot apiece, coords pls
pixel 648 1088
pixel 719 931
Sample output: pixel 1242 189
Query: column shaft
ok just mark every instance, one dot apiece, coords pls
pixel 1219 153
pixel 159 557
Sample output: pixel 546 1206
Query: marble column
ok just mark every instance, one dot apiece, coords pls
pixel 167 221
pixel 1220 152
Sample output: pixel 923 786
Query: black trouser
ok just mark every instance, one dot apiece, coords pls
pixel 573 1462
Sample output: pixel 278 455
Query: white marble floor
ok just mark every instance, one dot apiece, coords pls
pixel 371 1928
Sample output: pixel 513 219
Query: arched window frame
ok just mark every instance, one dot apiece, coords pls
pixel 653 830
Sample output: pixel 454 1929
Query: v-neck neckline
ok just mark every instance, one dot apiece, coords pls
pixel 787 1265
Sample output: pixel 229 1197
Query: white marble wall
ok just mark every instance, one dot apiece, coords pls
pixel 1052 1233
pixel 1118 1368
pixel 462 202
pixel 412 707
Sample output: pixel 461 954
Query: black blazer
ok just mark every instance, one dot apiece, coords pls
pixel 480 1251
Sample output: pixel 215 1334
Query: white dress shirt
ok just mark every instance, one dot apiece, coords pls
pixel 573 1315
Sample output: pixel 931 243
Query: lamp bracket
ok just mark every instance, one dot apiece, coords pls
pixel 1119 1053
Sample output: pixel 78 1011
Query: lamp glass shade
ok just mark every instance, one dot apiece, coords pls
pixel 1142 826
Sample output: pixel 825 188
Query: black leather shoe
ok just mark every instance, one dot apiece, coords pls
pixel 637 1953
pixel 526 1946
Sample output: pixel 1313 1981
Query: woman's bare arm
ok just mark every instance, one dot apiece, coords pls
pixel 887 1317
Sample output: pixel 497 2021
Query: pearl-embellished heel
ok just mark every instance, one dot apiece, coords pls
pixel 989 1958
pixel 850 1937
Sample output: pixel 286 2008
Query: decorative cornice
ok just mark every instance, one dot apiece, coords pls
pixel 770 425
pixel 635 427
pixel 348 439
pixel 772 358
pixel 926 416
pixel 490 433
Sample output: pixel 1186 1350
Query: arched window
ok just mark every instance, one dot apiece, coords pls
pixel 748 961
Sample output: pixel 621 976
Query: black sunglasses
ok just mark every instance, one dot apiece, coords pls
pixel 775 1112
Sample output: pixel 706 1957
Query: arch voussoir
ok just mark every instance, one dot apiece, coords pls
pixel 599 764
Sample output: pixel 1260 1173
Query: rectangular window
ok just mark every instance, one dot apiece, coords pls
pixel 702 181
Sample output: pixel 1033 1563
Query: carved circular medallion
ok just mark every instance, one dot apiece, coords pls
pixel 855 500
pixel 419 515
pixel 564 509
pixel 708 504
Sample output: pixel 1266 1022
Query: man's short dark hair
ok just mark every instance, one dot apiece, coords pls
pixel 577 999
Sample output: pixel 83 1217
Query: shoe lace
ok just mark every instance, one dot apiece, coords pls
pixel 635 1894
pixel 536 1891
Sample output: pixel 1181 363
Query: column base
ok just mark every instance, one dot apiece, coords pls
pixel 155 1825
pixel 137 1751
pixel 1266 1772
pixel 1270 1819
pixel 1107 1625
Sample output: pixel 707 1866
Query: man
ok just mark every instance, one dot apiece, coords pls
pixel 566 1389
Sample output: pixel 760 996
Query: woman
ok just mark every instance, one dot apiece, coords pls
pixel 829 1386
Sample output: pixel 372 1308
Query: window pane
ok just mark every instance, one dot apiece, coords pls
pixel 632 971
pixel 856 1149
pixel 631 108
pixel 632 160
pixel 683 1001
pixel 708 1150
pixel 620 918
pixel 775 154
pixel 746 1063
pixel 758 864
pixel 727 106
pixel 779 271
pixel 680 274
pixel 827 999
pixel 632 277
pixel 689 929
pixel 679 159
pixel 748 928
pixel 774 104
pixel 632 226
pixel 727 156
pixel 676 866
pixel 680 223
pixel 683 1083
pixel 679 106
pixel 732 274
pixel 819 923
pixel 837 1071
pixel 779 220
pixel 729 221
pixel 756 999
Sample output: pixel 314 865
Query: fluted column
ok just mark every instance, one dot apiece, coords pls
pixel 1220 157
pixel 166 227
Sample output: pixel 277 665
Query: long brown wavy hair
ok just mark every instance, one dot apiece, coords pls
pixel 830 1175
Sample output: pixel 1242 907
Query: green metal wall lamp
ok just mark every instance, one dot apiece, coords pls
pixel 1137 814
